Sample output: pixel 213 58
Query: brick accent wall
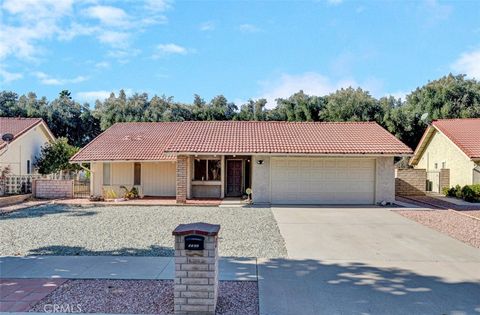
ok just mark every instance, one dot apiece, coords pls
pixel 52 188
pixel 410 182
pixel 444 178
pixel 182 165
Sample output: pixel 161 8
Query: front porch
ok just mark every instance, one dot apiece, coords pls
pixel 188 180
pixel 212 176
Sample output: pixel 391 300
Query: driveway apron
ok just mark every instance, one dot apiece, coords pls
pixel 361 260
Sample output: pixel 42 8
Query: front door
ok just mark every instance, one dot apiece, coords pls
pixel 234 178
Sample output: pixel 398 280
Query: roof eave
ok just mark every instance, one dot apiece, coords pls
pixel 421 146
pixel 119 161
pixel 389 154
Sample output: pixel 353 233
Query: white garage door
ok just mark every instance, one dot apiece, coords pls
pixel 322 181
pixel 158 179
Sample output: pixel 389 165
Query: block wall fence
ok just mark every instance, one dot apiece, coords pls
pixel 410 181
pixel 52 188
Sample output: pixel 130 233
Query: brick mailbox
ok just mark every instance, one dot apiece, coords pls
pixel 196 268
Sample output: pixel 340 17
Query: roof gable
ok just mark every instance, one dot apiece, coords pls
pixel 19 126
pixel 463 133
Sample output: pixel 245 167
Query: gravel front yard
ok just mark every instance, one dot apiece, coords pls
pixel 143 297
pixel 456 225
pixel 134 231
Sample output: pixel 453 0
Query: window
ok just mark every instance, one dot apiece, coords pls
pixel 137 174
pixel 28 167
pixel 106 174
pixel 207 169
pixel 444 165
pixel 436 165
pixel 214 169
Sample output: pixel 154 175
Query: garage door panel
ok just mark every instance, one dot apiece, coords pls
pixel 323 181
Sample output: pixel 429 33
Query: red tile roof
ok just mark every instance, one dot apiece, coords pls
pixel 156 140
pixel 16 126
pixel 286 137
pixel 465 133
pixel 140 141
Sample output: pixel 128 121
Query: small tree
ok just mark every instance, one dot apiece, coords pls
pixel 55 156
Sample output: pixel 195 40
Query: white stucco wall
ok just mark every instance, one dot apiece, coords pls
pixel 27 147
pixel 96 178
pixel 384 179
pixel 441 149
pixel 261 179
pixel 160 177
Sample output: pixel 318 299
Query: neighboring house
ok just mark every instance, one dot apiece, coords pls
pixel 452 144
pixel 29 135
pixel 283 162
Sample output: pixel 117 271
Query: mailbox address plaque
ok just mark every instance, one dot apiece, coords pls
pixel 194 242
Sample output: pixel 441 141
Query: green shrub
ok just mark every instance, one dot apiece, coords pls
pixel 468 194
pixel 130 193
pixel 446 191
pixel 458 191
pixel 109 194
pixel 476 189
pixel 450 192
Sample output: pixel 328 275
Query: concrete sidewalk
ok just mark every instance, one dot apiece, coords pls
pixel 114 267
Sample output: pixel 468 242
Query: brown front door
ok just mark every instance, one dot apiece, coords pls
pixel 234 178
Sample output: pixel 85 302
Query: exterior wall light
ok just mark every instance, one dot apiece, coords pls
pixel 260 162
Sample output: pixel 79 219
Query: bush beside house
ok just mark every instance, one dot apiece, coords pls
pixel 469 193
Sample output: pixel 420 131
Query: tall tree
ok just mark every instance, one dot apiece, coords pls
pixel 452 96
pixel 253 110
pixel 352 105
pixel 298 107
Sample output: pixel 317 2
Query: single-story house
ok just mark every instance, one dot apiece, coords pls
pixel 282 162
pixel 452 144
pixel 28 137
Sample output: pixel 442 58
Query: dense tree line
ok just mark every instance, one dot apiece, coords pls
pixel 448 97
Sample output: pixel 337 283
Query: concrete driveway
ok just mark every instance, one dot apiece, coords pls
pixel 361 260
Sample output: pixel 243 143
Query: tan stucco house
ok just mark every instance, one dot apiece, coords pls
pixel 282 162
pixel 450 144
pixel 29 135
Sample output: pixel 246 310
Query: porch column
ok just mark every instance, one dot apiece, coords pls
pixel 182 178
pixel 222 177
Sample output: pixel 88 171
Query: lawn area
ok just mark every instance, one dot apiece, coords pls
pixel 134 231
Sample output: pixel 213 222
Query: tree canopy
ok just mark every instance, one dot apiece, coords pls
pixel 54 157
pixel 451 96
